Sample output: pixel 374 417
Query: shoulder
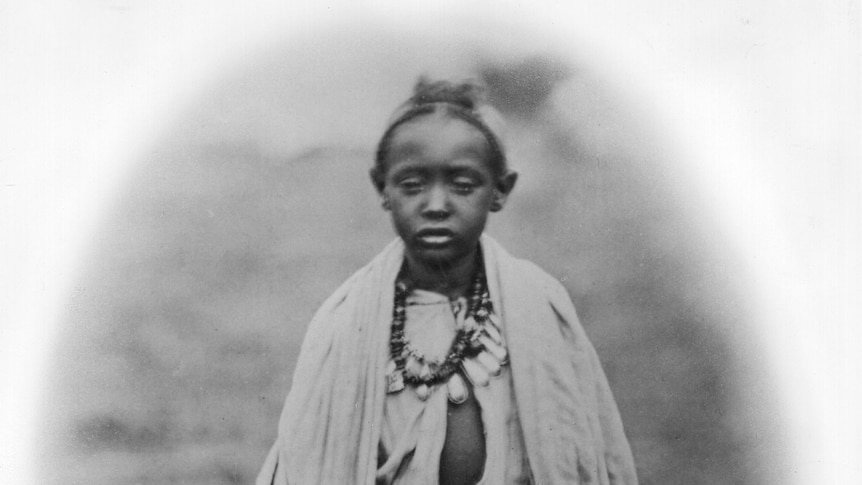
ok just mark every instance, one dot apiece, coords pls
pixel 367 284
pixel 373 276
pixel 536 275
pixel 337 299
pixel 549 289
pixel 521 276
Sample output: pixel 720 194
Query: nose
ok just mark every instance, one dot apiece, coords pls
pixel 437 203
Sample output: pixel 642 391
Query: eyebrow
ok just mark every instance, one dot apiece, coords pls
pixel 410 168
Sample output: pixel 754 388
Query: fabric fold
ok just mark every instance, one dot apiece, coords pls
pixel 330 426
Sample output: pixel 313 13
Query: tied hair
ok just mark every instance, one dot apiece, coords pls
pixel 463 100
pixel 466 95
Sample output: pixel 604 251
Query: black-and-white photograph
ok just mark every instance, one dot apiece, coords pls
pixel 481 243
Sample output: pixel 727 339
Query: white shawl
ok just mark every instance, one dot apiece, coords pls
pixel 330 426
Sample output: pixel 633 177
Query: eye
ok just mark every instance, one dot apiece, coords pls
pixel 464 185
pixel 410 184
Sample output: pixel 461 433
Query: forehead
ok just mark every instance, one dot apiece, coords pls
pixel 438 137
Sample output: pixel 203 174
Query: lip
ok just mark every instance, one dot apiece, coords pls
pixel 434 237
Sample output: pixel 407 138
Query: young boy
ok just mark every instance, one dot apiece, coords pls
pixel 446 360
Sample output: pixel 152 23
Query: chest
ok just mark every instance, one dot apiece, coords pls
pixel 430 435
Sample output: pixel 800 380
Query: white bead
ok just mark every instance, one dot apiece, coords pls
pixel 490 363
pixel 493 333
pixel 477 373
pixel 498 351
pixel 413 366
pixel 422 391
pixel 425 372
pixel 457 389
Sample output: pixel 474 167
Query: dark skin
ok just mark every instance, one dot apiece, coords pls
pixel 453 281
pixel 440 188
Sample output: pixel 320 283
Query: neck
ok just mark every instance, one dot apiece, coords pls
pixel 452 280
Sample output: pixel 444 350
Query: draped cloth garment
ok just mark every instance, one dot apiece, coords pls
pixel 331 423
pixel 415 431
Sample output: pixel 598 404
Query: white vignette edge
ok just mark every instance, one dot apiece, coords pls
pixel 70 138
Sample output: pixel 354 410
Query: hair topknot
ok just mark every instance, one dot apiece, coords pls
pixel 464 100
pixel 465 94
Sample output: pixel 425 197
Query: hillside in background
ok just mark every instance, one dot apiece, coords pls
pixel 182 334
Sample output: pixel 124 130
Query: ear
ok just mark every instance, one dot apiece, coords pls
pixel 502 190
pixel 379 185
pixel 377 180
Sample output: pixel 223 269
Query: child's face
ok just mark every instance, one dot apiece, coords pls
pixel 440 187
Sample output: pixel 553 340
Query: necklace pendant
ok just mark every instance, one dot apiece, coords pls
pixel 394 382
pixel 477 374
pixel 490 363
pixel 498 351
pixel 413 366
pixel 457 389
pixel 423 391
pixel 425 371
pixel 492 332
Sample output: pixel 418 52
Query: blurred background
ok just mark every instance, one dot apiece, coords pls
pixel 179 340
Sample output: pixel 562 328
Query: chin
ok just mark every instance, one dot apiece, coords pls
pixel 442 257
pixel 436 256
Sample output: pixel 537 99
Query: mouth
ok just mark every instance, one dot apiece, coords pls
pixel 435 237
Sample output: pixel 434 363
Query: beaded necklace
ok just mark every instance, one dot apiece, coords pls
pixel 478 350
